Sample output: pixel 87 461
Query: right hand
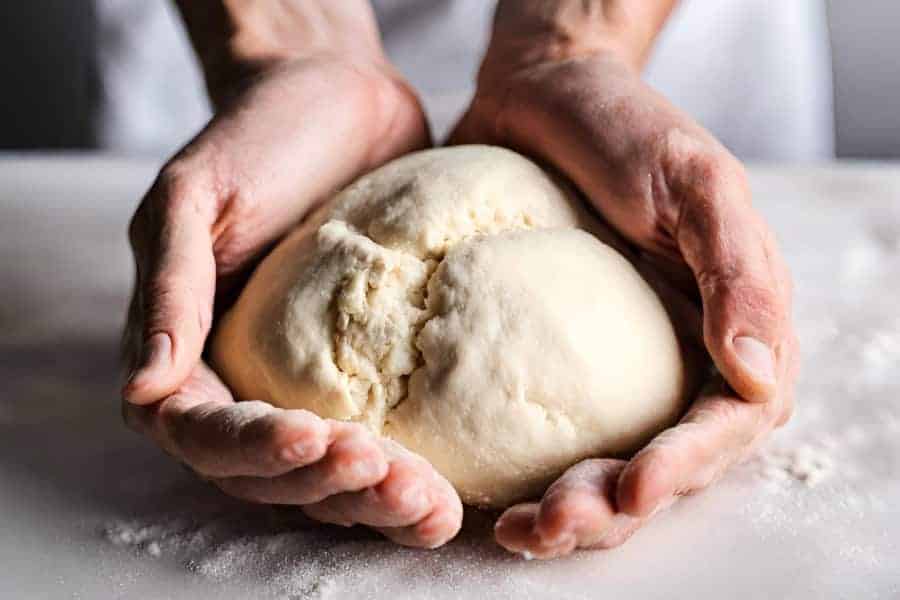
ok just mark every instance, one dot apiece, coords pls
pixel 300 130
pixel 557 86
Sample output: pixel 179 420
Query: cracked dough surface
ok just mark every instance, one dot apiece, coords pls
pixel 453 301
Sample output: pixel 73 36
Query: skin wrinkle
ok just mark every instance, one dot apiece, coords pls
pixel 226 247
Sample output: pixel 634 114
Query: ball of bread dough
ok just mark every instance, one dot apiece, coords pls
pixel 454 301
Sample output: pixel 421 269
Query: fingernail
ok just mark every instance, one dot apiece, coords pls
pixel 757 358
pixel 156 353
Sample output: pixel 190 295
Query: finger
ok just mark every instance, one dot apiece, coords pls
pixel 203 427
pixel 440 523
pixel 353 461
pixel 719 430
pixel 726 245
pixel 243 439
pixel 515 531
pixel 577 511
pixel 437 528
pixel 401 499
pixel 413 505
pixel 581 506
pixel 203 386
pixel 176 283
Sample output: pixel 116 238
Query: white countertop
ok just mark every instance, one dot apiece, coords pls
pixel 90 510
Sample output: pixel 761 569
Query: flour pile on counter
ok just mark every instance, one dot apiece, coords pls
pixel 280 554
pixel 804 463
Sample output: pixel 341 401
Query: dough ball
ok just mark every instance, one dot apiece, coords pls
pixel 454 301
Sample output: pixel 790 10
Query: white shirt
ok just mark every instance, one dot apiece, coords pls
pixel 756 73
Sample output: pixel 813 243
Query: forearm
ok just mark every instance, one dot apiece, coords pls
pixel 536 30
pixel 235 38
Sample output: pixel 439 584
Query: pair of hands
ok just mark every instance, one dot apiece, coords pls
pixel 303 128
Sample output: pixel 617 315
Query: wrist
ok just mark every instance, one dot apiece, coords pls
pixel 236 40
pixel 529 32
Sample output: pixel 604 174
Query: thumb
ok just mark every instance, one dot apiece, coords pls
pixel 731 252
pixel 171 236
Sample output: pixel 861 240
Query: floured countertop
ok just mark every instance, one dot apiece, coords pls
pixel 90 510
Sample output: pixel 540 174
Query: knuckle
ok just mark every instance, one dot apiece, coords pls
pixel 174 425
pixel 352 435
pixel 174 184
pixel 239 222
pixel 344 454
pixel 395 502
pixel 258 432
pixel 397 493
pixel 179 423
pixel 260 442
pixel 714 172
pixel 717 278
pixel 162 295
pixel 576 505
pixel 731 295
pixel 648 463
pixel 179 187
pixel 641 479
pixel 694 160
pixel 170 305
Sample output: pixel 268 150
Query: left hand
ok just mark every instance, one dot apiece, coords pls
pixel 288 131
pixel 683 202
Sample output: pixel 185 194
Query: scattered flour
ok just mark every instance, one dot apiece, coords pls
pixel 813 492
pixel 281 554
pixel 804 463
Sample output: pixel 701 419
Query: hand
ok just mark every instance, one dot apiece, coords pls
pixel 336 472
pixel 683 203
pixel 297 130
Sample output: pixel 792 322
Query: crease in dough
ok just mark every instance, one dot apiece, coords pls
pixel 461 302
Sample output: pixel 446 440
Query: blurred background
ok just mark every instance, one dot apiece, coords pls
pixel 805 80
